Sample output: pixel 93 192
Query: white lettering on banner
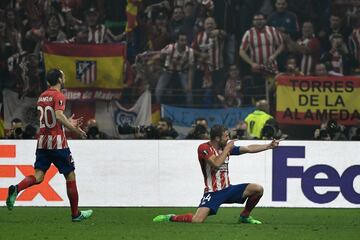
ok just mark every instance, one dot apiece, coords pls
pixel 157 173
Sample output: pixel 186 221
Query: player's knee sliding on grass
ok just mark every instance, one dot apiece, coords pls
pixel 52 147
pixel 214 158
pixel 210 203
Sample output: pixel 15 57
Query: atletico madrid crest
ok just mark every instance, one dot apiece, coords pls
pixel 86 71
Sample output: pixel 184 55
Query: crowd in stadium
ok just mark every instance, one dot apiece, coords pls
pixel 193 53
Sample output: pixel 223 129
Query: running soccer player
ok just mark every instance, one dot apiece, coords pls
pixel 52 146
pixel 214 158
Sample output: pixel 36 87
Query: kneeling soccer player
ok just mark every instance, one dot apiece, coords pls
pixel 214 158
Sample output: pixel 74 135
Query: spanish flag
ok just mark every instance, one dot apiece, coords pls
pixel 313 100
pixel 131 14
pixel 88 66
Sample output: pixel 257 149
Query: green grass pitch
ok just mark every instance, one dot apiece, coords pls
pixel 136 223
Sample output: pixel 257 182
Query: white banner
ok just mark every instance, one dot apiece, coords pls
pixel 167 173
pixel 22 108
pixel 110 115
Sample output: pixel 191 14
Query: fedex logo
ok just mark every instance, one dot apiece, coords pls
pixel 9 171
pixel 281 172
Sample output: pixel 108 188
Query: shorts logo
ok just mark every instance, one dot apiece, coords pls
pixel 86 71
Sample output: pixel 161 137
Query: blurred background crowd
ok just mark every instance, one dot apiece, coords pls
pixel 190 53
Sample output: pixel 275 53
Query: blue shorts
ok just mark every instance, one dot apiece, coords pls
pixel 232 194
pixel 61 158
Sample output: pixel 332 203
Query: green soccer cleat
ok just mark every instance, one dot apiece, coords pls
pixel 85 214
pixel 163 218
pixel 12 194
pixel 249 220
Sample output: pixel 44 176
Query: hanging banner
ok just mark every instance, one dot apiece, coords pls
pixel 93 71
pixel 183 118
pixel 312 100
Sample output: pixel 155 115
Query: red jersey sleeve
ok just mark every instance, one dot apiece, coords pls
pixel 204 151
pixel 59 102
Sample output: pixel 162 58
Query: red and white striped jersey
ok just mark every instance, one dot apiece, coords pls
pixel 178 61
pixel 214 47
pixel 215 179
pixel 100 34
pixel 309 60
pixel 51 135
pixel 262 44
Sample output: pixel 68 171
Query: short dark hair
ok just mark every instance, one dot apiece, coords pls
pixel 53 76
pixel 200 119
pixel 260 14
pixel 167 120
pixel 181 33
pixel 217 131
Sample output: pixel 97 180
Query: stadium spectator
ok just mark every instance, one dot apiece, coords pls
pixel 91 31
pixel 179 63
pixel 354 43
pixel 51 32
pixel 52 145
pixel 33 79
pixel 330 130
pixel 256 120
pixel 199 130
pixel 209 51
pixel 11 34
pixel 338 59
pixel 93 132
pixel 176 22
pixel 214 159
pixel 190 13
pixel 284 20
pixel 158 33
pixel 232 96
pixel 291 68
pixel 165 129
pixel 307 48
pixel 336 26
pixel 17 129
pixel 264 43
pixel 320 70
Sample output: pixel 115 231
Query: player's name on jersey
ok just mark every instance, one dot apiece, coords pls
pixel 45 99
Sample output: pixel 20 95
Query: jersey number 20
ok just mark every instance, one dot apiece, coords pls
pixel 44 115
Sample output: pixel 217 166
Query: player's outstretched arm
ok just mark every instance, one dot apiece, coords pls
pixel 254 148
pixel 69 123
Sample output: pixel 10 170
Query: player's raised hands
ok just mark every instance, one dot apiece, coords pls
pixel 76 122
pixel 274 143
pixel 81 133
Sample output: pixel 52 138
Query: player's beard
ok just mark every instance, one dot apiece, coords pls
pixel 62 86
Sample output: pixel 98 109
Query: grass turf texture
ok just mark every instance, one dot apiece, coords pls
pixel 136 223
